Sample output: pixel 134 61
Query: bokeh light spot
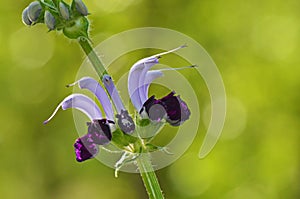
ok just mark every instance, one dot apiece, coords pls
pixel 114 5
pixel 31 49
pixel 275 37
pixel 236 118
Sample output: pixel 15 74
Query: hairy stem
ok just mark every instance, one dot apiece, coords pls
pixel 88 49
pixel 149 177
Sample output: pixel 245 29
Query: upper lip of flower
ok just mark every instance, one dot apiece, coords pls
pixel 140 77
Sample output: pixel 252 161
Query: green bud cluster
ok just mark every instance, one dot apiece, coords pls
pixel 58 15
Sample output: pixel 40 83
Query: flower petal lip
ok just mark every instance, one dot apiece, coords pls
pixel 93 86
pixel 100 131
pixel 176 109
pixel 137 77
pixel 79 102
pixel 155 111
pixel 113 92
pixel 171 107
pixel 85 148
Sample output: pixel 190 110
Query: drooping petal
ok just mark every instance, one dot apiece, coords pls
pixel 154 109
pixel 85 148
pixel 93 86
pixel 171 107
pixel 113 92
pixel 176 109
pixel 137 77
pixel 79 102
pixel 100 131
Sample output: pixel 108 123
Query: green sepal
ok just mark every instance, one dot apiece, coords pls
pixel 121 139
pixel 143 122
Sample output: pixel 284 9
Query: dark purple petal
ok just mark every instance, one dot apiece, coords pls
pixel 154 109
pixel 125 122
pixel 85 148
pixel 170 107
pixel 177 110
pixel 99 131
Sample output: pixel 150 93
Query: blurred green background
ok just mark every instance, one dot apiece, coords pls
pixel 255 45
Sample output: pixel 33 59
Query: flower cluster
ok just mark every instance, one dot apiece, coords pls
pixel 58 15
pixel 102 129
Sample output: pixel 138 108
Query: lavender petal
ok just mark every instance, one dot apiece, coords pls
pixel 79 102
pixel 113 92
pixel 93 86
pixel 150 76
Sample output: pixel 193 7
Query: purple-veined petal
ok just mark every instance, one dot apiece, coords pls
pixel 79 102
pixel 113 92
pixel 93 86
pixel 137 77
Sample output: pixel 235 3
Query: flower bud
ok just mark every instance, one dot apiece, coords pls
pixel 25 18
pixel 77 29
pixel 50 20
pixel 34 11
pixel 64 11
pixel 81 7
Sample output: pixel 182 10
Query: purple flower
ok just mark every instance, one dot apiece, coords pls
pixel 171 108
pixel 99 129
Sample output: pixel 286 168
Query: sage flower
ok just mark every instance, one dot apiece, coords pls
pixel 171 108
pixel 99 128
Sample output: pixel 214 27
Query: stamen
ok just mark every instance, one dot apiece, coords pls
pixel 53 114
pixel 179 68
pixel 170 51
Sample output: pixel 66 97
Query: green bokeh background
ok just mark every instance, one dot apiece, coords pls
pixel 255 45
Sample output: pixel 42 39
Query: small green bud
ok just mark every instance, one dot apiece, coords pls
pixel 64 11
pixel 49 20
pixel 34 11
pixel 81 7
pixel 79 28
pixel 25 17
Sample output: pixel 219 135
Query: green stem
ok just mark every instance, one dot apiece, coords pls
pixel 149 178
pixel 88 49
pixel 144 163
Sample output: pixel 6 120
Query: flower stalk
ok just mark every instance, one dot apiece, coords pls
pixel 149 177
pixel 94 59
